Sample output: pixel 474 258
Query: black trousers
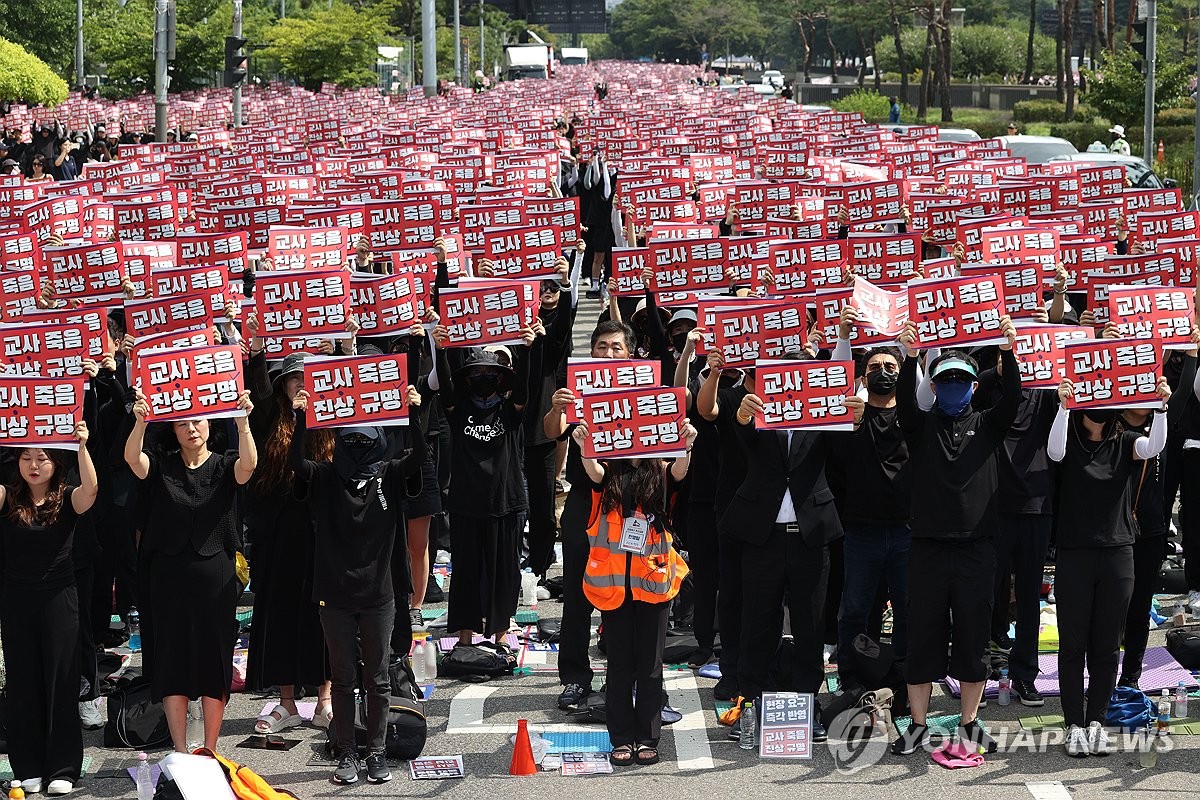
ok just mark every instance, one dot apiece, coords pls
pixel 88 690
pixel 575 637
pixel 116 566
pixel 1020 565
pixel 540 461
pixel 1148 554
pixel 345 630
pixel 782 567
pixel 704 560
pixel 634 635
pixel 729 609
pixel 40 633
pixel 1093 585
pixel 1189 515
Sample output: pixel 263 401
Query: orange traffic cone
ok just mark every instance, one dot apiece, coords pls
pixel 522 758
pixel 1162 154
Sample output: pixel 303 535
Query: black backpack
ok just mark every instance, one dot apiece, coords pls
pixel 406 732
pixel 1184 647
pixel 476 663
pixel 134 720
pixel 403 681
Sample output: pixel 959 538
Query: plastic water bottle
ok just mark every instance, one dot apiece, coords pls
pixel 1164 713
pixel 419 664
pixel 748 738
pixel 135 630
pixel 195 726
pixel 143 779
pixel 15 791
pixel 1148 755
pixel 431 661
pixel 529 589
pixel 1005 689
pixel 1181 699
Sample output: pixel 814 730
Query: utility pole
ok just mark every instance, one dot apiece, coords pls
pixel 237 89
pixel 457 47
pixel 1148 123
pixel 79 76
pixel 482 60
pixel 160 70
pixel 429 47
pixel 283 9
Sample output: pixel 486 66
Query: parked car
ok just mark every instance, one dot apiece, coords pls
pixel 944 134
pixel 773 77
pixel 1139 173
pixel 1037 149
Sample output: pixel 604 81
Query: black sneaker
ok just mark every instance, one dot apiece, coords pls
pixel 347 769
pixel 699 658
pixel 1027 693
pixel 415 620
pixel 572 695
pixel 725 690
pixel 433 592
pixel 914 738
pixel 974 733
pixel 377 769
pixel 819 734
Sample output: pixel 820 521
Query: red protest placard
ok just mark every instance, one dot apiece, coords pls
pixel 1113 373
pixel 593 374
pixel 880 310
pixel 879 201
pixel 483 311
pixel 40 411
pixel 229 251
pixel 304 304
pixel 628 263
pixel 803 266
pixel 18 293
pixel 1022 285
pixel 1100 285
pixel 1040 354
pixel 957 311
pixel 296 247
pixel 357 390
pixel 90 272
pixel 635 423
pixel 1021 244
pixel 19 251
pixel 804 395
pixel 688 266
pixel 384 304
pixel 143 259
pixel 201 336
pixel 526 252
pixel 95 319
pixel 761 329
pixel 886 259
pixel 52 351
pixel 157 315
pixel 1163 313
pixel 191 382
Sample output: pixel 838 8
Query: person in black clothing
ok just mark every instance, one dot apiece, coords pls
pixel 357 500
pixel 189 558
pixel 39 616
pixel 610 339
pixel 953 452
pixel 485 403
pixel 1094 567
pixel 784 517
pixel 598 187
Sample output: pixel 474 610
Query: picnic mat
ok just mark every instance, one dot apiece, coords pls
pixel 939 725
pixel 446 644
pixel 1044 722
pixel 6 773
pixel 578 742
pixel 1159 671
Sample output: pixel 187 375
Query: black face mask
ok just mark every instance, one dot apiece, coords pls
pixel 1101 416
pixel 679 341
pixel 882 382
pixel 484 385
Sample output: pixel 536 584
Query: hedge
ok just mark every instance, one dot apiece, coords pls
pixel 24 76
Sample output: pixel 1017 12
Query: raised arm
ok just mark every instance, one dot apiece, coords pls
pixel 89 485
pixel 679 467
pixel 908 414
pixel 1002 415
pixel 135 457
pixel 1056 446
pixel 708 403
pixel 591 467
pixel 302 467
pixel 243 468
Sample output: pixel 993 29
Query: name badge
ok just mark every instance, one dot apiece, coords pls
pixel 634 534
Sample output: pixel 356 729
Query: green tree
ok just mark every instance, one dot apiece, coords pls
pixel 1117 91
pixel 335 44
pixel 25 77
pixel 45 28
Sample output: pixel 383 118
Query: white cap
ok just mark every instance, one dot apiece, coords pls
pixel 1119 130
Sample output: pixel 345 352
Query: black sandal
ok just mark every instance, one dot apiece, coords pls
pixel 621 755
pixel 646 760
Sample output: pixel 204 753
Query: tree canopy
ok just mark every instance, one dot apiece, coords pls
pixel 24 76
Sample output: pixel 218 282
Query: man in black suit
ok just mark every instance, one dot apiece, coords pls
pixel 784 516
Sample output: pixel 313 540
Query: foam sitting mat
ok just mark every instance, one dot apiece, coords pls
pixel 1159 671
pixel 430 614
pixel 578 741
pixel 446 643
pixel 832 682
pixel 6 773
pixel 720 707
pixel 526 617
pixel 939 725
pixel 1044 722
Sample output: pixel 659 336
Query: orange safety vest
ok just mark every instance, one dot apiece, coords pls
pixel 654 577
pixel 245 782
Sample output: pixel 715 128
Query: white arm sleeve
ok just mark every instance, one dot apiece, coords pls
pixel 434 384
pixel 1056 447
pixel 925 396
pixel 1147 447
pixel 841 351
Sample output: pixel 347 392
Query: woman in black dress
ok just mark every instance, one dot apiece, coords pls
pixel 189 540
pixel 287 645
pixel 39 615
pixel 596 207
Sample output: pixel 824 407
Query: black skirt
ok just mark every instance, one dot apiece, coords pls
pixel 195 630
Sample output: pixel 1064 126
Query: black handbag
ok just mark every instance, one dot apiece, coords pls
pixel 134 719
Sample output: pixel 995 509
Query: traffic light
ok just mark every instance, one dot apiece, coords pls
pixel 235 62
pixel 1139 43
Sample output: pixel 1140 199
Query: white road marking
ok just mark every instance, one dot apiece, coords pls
pixel 692 750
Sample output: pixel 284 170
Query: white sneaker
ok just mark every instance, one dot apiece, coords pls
pixel 1193 601
pixel 59 787
pixel 442 557
pixel 827 652
pixel 32 785
pixel 89 716
pixel 1097 739
pixel 1077 742
pixel 543 593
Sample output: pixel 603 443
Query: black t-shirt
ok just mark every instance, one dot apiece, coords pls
pixel 1151 506
pixel 1027 475
pixel 578 505
pixel 39 556
pixel 732 455
pixel 878 488
pixel 705 466
pixel 486 460
pixel 191 506
pixel 1098 482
